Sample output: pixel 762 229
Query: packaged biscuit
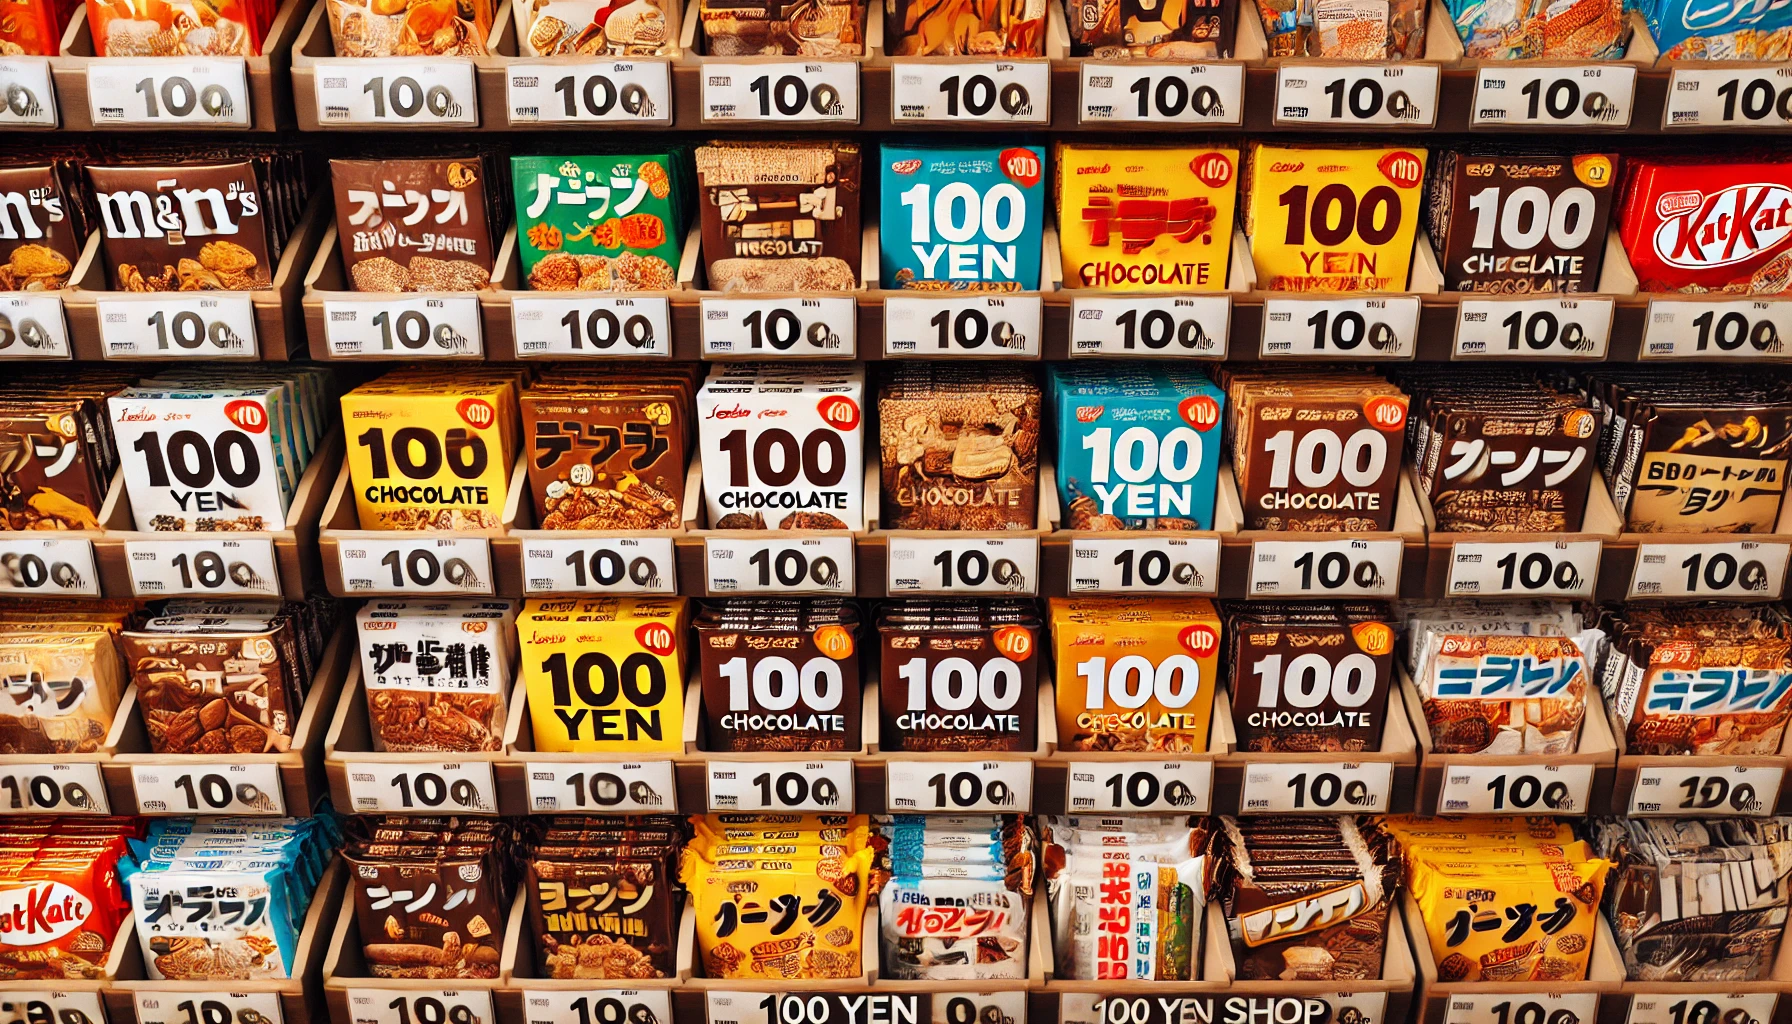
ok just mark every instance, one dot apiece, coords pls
pixel 780 216
pixel 1748 32
pixel 198 226
pixel 1310 676
pixel 955 911
pixel 1138 445
pixel 1306 899
pixel 1672 903
pixel 1513 221
pixel 1137 218
pixel 753 28
pixel 418 224
pixel 61 895
pixel 437 673
pixel 59 455
pixel 915 28
pixel 1154 872
pixel 1692 223
pixel 1703 679
pixel 1584 30
pixel 1178 30
pixel 596 28
pixel 410 28
pixel 605 906
pixel 1135 674
pixel 432 449
pixel 1338 219
pixel 958 217
pixel 430 900
pixel 605 674
pixel 608 223
pixel 780 674
pixel 783 449
pixel 60 692
pixel 43 213
pixel 959 675
pixel 960 447
pixel 184 28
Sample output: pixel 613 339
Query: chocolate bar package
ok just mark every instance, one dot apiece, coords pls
pixel 1333 219
pixel 780 674
pixel 596 28
pixel 1310 676
pixel 59 688
pixel 451 924
pixel 1685 30
pixel 1701 679
pixel 571 649
pixel 1138 445
pixel 753 28
pixel 783 449
pixel 780 215
pixel 959 675
pixel 1345 29
pixel 1173 30
pixel 604 903
pixel 183 28
pixel 1106 647
pixel 1702 223
pixel 1516 221
pixel 1145 218
pixel 920 28
pixel 43 222
pixel 1581 30
pixel 983 864
pixel 418 224
pixel 195 226
pixel 57 454
pixel 1315 450
pixel 960 447
pixel 961 217
pixel 601 223
pixel 410 28
pixel 436 673
pixel 67 868
pixel 1154 871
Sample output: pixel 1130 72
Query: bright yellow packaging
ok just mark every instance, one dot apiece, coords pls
pixel 1333 219
pixel 605 674
pixel 1146 218
pixel 431 451
pixel 1533 922
pixel 1135 674
pixel 745 931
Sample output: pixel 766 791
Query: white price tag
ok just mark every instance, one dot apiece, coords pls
pixel 32 326
pixel 769 328
pixel 207 1007
pixel 1299 788
pixel 1724 329
pixel 35 564
pixel 463 787
pixel 1739 568
pixel 1402 95
pixel 1703 792
pixel 409 1005
pixel 782 91
pixel 30 98
pixel 1002 787
pixel 997 91
pixel 979 325
pixel 404 327
pixel 1558 328
pixel 240 788
pixel 958 1007
pixel 589 92
pixel 1590 95
pixel 1735 1008
pixel 1556 1008
pixel 1341 328
pixel 780 785
pixel 210 566
pixel 194 325
pixel 425 565
pixel 1145 1007
pixel 1752 98
pixel 737 1008
pixel 642 787
pixel 1325 568
pixel 1161 93
pixel 591 325
pixel 47 1006
pixel 167 91
pixel 1188 327
pixel 397 91
pixel 963 565
pixel 599 565
pixel 1144 563
pixel 778 565
pixel 1515 789
pixel 616 1006
pixel 1125 787
pixel 66 787
pixel 1563 568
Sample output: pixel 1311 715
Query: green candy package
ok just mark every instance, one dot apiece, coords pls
pixel 605 223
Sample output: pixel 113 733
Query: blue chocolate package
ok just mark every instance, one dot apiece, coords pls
pixel 1720 29
pixel 1138 446
pixel 958 217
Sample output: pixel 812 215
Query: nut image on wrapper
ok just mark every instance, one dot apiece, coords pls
pixel 605 675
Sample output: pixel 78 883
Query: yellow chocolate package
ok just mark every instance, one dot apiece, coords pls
pixel 1532 922
pixel 605 674
pixel 1135 674
pixel 1333 219
pixel 1145 218
pixel 779 920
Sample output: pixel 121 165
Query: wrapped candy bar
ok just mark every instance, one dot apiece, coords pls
pixel 430 895
pixel 1151 871
pixel 64 863
pixel 437 673
pixel 956 905
pixel 602 897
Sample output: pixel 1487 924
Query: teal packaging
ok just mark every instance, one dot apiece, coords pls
pixel 962 218
pixel 1138 446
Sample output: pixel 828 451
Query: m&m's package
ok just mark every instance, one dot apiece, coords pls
pixel 962 218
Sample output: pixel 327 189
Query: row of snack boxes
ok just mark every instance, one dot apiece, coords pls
pixel 332 982
pixel 300 82
pixel 311 311
pixel 332 753
pixel 325 548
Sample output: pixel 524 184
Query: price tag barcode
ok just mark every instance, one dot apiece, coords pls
pixel 1305 788
pixel 1380 328
pixel 193 326
pixel 48 565
pixel 32 326
pixel 963 565
pixel 410 788
pixel 1524 569
pixel 639 787
pixel 1741 568
pixel 1333 568
pixel 1511 789
pixel 404 327
pixel 786 91
pixel 1752 98
pixel 599 565
pixel 605 92
pixel 1194 326
pixel 780 785
pixel 1589 96
pixel 241 788
pixel 29 98
pixel 1153 92
pixel 396 91
pixel 1559 328
pixel 1001 787
pixel 1397 95
pixel 1121 787
pixel 1725 329
pixel 438 565
pixel 997 91
pixel 1123 565
pixel 807 565
pixel 186 91
pixel 210 566
pixel 772 328
pixel 67 787
pixel 591 325
pixel 1686 791
pixel 1000 327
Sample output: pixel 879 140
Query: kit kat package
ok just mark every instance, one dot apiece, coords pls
pixel 1705 223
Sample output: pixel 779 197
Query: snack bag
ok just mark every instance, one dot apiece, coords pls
pixel 600 223
pixel 740 936
pixel 1145 218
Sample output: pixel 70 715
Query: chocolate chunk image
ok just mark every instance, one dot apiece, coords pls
pixel 811 521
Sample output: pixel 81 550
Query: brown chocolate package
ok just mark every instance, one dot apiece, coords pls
pixel 780 674
pixel 575 937
pixel 217 693
pixel 959 676
pixel 780 215
pixel 438 913
pixel 1520 221
pixel 1311 677
pixel 41 228
pixel 56 454
pixel 609 451
pixel 201 227
pixel 756 28
pixel 415 225
pixel 960 447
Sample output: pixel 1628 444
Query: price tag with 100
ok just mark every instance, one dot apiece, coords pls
pixel 607 1007
pixel 641 787
pixel 1400 95
pixel 1729 98
pixel 780 785
pixel 1687 792
pixel 622 91
pixel 1524 568
pixel 1121 787
pixel 32 326
pixel 396 91
pixel 1171 565
pixel 167 92
pixel 1013 92
pixel 1194 326
pixel 1577 328
pixel 48 565
pixel 1001 787
pixel 68 787
pixel 1728 329
pixel 240 788
pixel 784 91
pixel 205 1007
pixel 1326 789
pixel 1738 568
pixel 408 1006
pixel 768 328
pixel 220 324
pixel 404 327
pixel 1513 789
pixel 441 565
pixel 591 325
pixel 1374 328
pixel 598 565
pixel 1334 568
pixel 1149 91
pixel 211 566
pixel 1596 96
pixel 408 787
pixel 963 565
pixel 1004 327
pixel 1523 1008
pixel 807 565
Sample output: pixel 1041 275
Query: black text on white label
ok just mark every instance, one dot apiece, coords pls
pixel 1702 792
pixel 1184 326
pixel 464 787
pixel 598 565
pixel 209 566
pixel 1515 789
pixel 29 98
pixel 625 91
pixel 1002 787
pixel 48 565
pixel 249 788
pixel 1735 1008
pixel 1729 98
pixel 1147 91
pixel 963 565
pixel 1589 96
pixel 1575 328
pixel 1522 1008
pixel 403 327
pixel 749 565
pixel 1332 568
pixel 190 91
pixel 1316 788
pixel 410 1006
pixel 32 326
pixel 191 326
pixel 1121 787
pixel 642 787
pixel 1727 329
pixel 1740 568
pixel 1169 565
pixel 1386 328
pixel 784 92
pixel 971 326
pixel 1403 95
pixel 206 1007
pixel 768 328
pixel 606 1007
pixel 1015 92
pixel 591 325
pixel 780 785
pixel 439 565
pixel 1524 569
pixel 396 91
pixel 71 787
